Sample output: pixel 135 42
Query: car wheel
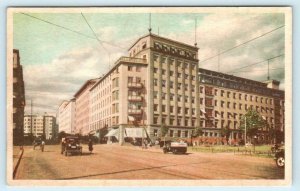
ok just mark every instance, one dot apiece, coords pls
pixel 280 162
pixel 164 150
pixel 174 151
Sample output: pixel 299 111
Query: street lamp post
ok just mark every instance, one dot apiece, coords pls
pixel 245 130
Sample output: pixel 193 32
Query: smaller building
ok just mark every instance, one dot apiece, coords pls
pixel 66 116
pixel 82 107
pixel 18 99
pixel 39 126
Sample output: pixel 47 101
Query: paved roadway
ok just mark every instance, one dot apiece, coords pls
pixel 115 162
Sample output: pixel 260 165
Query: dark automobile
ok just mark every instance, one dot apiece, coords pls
pixel 280 157
pixel 72 145
pixel 175 147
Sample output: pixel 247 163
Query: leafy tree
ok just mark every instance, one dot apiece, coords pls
pixel 164 131
pixel 225 132
pixel 197 131
pixel 254 122
pixel 276 135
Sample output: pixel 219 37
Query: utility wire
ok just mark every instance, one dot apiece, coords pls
pixel 255 38
pixel 255 63
pixel 71 30
pixel 99 41
pixel 257 70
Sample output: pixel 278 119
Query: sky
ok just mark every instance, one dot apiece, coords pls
pixel 56 61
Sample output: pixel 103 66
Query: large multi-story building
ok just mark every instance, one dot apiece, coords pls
pixel 39 126
pixel 66 116
pixel 160 84
pixel 82 107
pixel 18 99
pixel 224 99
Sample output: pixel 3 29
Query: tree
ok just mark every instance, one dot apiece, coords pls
pixel 164 131
pixel 225 132
pixel 276 135
pixel 197 131
pixel 254 122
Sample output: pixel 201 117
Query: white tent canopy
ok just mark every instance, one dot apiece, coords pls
pixel 113 132
pixel 135 132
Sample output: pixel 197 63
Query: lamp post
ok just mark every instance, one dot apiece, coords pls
pixel 245 130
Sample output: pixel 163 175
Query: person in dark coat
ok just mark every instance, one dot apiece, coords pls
pixel 90 145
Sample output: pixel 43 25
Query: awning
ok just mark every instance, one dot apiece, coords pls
pixel 135 132
pixel 203 111
pixel 130 118
pixel 113 132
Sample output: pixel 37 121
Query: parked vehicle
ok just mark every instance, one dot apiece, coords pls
pixel 175 147
pixel 72 146
pixel 280 157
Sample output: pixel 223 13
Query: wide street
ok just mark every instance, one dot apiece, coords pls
pixel 128 162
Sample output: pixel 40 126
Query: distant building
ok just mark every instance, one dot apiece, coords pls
pixel 49 126
pixel 39 126
pixel 18 100
pixel 82 107
pixel 66 116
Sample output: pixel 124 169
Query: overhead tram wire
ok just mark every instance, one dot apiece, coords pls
pixel 253 39
pixel 99 41
pixel 256 70
pixel 232 71
pixel 71 30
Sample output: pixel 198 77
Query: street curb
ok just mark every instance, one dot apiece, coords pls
pixel 18 163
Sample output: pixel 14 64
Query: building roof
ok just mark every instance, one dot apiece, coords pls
pixel 117 63
pixel 85 85
pixel 163 38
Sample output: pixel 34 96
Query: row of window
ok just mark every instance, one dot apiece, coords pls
pixel 171 85
pixel 179 109
pixel 172 97
pixel 229 105
pixel 134 68
pixel 171 74
pixel 172 121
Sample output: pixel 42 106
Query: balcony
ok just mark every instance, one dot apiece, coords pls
pixel 132 60
pixel 134 111
pixel 135 85
pixel 135 98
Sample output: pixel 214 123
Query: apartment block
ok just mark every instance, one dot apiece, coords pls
pixel 224 99
pixel 39 126
pixel 160 83
pixel 66 116
pixel 82 98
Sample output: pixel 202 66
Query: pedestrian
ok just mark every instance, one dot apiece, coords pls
pixel 63 145
pixel 90 145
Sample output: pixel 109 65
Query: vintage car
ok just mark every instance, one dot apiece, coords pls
pixel 279 157
pixel 72 146
pixel 175 147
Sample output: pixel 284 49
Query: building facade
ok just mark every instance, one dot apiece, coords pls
pixel 66 116
pixel 82 98
pixel 49 126
pixel 18 100
pixel 224 99
pixel 160 83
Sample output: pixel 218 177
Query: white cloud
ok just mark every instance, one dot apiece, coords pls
pixel 49 84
